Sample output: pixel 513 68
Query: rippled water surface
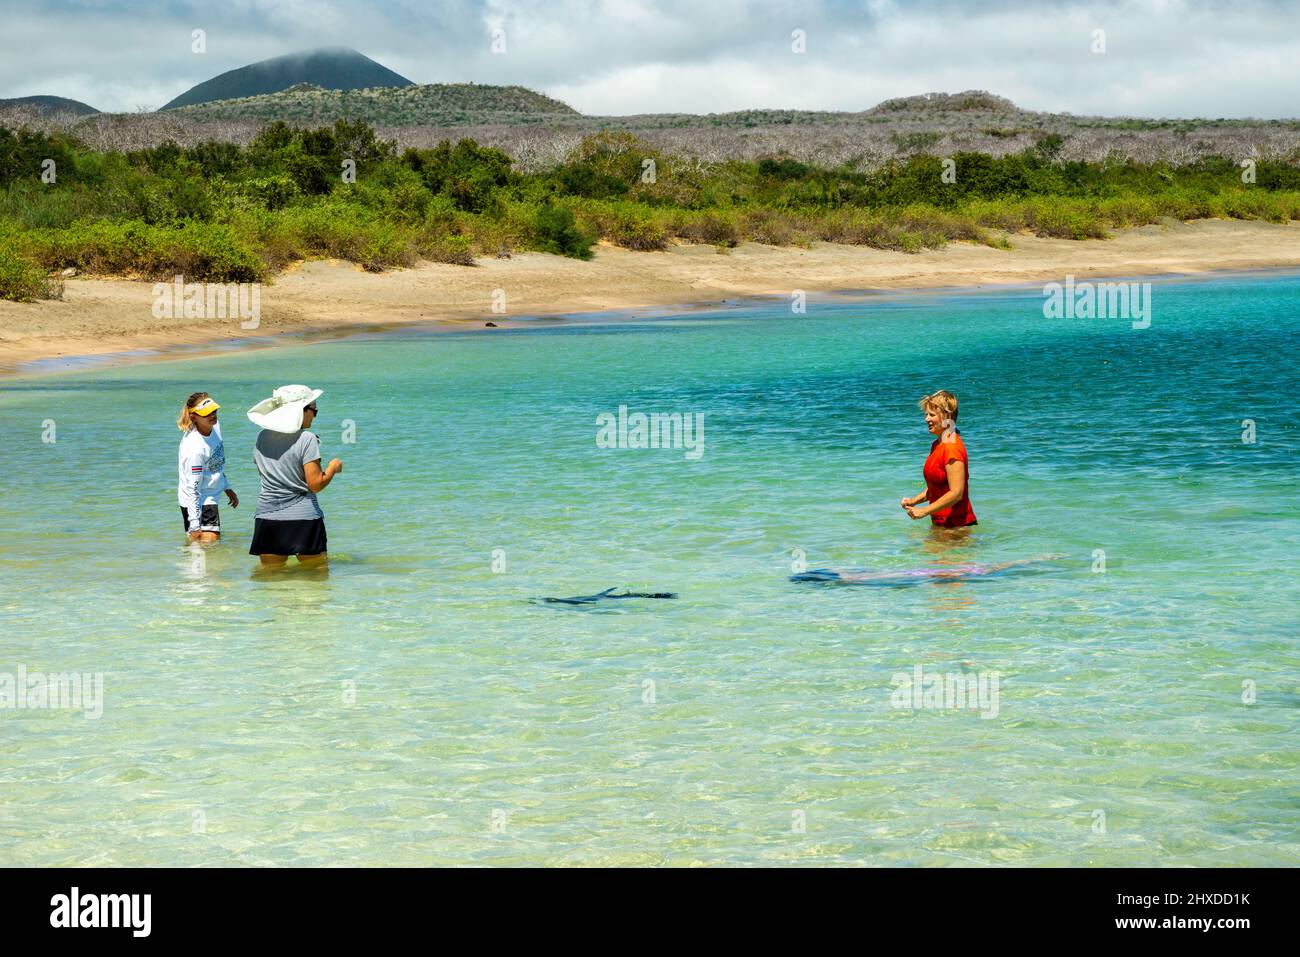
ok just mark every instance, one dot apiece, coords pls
pixel 413 707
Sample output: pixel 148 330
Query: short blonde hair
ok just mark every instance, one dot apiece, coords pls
pixel 943 402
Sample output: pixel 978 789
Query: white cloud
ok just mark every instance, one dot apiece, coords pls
pixel 1175 58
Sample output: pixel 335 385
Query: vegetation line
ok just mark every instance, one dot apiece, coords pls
pixel 222 212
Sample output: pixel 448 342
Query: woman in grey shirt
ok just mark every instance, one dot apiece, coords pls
pixel 289 520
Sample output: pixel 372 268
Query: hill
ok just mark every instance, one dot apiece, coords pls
pixel 331 68
pixel 539 132
pixel 50 105
pixel 432 104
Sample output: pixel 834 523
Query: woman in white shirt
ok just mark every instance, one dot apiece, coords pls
pixel 202 469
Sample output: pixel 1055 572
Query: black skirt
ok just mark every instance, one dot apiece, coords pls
pixel 209 519
pixel 292 537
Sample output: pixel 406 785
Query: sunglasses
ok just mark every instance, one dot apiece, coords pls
pixel 309 408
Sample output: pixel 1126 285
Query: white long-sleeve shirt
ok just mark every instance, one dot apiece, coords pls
pixel 202 471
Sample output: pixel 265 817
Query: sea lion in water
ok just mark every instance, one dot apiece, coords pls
pixel 601 596
pixel 916 576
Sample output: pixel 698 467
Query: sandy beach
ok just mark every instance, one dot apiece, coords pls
pixel 99 316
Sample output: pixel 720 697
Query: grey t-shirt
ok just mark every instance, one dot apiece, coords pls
pixel 279 457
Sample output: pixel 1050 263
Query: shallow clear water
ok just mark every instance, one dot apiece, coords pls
pixel 748 721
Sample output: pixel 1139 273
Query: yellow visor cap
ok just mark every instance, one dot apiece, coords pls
pixel 206 407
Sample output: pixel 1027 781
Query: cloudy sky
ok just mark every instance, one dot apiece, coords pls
pixel 1193 58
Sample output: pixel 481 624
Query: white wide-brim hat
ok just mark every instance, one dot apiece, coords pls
pixel 283 411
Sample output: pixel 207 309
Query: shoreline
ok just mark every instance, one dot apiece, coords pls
pixel 109 321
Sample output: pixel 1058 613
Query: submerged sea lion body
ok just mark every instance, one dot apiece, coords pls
pixel 606 594
pixel 916 576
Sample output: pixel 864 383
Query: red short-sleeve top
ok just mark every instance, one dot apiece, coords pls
pixel 943 451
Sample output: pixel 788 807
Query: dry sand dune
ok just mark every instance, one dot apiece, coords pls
pixel 101 316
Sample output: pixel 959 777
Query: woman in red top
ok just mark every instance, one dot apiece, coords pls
pixel 947 492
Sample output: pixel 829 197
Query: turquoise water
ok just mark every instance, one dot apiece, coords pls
pixel 413 707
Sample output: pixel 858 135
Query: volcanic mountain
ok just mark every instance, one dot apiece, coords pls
pixel 330 68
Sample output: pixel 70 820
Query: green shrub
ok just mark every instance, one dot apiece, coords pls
pixel 632 226
pixel 1129 211
pixel 23 154
pixel 1251 204
pixel 712 226
pixel 411 200
pixel 216 159
pixel 455 250
pixel 189 199
pixel 1288 205
pixel 471 176
pixel 643 233
pixel 198 251
pixel 581 179
pixel 934 227
pixel 604 165
pixel 206 253
pixel 24 281
pixel 274 191
pixel 782 169
pixel 556 231
pixel 767 226
pixel 331 229
pixel 1187 204
pixel 33 205
pixel 999 214
pixel 1063 219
